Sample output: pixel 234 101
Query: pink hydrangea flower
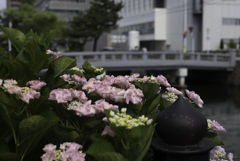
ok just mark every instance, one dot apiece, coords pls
pixel 173 90
pixel 121 81
pixel 145 78
pixel 78 79
pixel 60 95
pixel 50 154
pixel 109 80
pixel 195 98
pixel 31 94
pixel 14 90
pixel 133 77
pixel 86 109
pixel 133 95
pixel 90 86
pixel 102 105
pixel 108 131
pixel 80 95
pixel 36 84
pixel 162 80
pixel 9 83
pixel 217 127
pixel 65 77
pixel 230 157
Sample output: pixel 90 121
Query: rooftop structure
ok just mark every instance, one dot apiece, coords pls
pixel 13 4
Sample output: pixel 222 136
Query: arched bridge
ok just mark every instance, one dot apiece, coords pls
pixel 125 60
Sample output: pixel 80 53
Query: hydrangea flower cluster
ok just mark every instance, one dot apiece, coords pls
pixel 23 93
pixel 157 80
pixel 171 97
pixel 74 79
pixel 68 152
pixel 215 126
pixel 55 54
pixel 121 119
pixel 195 98
pixel 218 154
pixel 126 93
pixel 77 101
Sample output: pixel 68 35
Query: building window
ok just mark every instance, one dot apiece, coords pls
pixel 143 28
pixel 230 21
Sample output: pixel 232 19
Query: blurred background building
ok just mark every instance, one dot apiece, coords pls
pixel 13 4
pixel 64 9
pixel 161 23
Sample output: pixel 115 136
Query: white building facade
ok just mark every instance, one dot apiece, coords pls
pixel 161 23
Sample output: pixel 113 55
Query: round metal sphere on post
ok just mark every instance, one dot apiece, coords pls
pixel 181 129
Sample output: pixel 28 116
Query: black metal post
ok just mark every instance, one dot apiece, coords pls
pixel 181 129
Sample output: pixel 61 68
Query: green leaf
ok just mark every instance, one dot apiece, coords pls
pixel 46 38
pixel 138 151
pixel 150 90
pixel 8 101
pixel 34 125
pixel 16 37
pixel 49 115
pixel 7 156
pixel 139 85
pixel 216 141
pixel 104 151
pixel 2 50
pixel 65 135
pixel 164 104
pixel 39 105
pixel 151 104
pixel 62 64
pixel 136 108
pixel 88 68
pixel 138 133
pixel 19 70
pixel 33 56
pixel 211 134
pixel 3 146
pixel 9 117
pixel 94 122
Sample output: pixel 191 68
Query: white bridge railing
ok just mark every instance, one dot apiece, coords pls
pixel 125 59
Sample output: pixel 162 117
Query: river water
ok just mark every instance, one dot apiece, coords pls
pixel 222 103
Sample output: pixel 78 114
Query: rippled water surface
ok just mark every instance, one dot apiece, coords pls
pixel 222 103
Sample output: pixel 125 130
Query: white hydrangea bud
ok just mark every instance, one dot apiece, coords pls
pixel 112 113
pixel 1 82
pixel 124 110
pixel 149 121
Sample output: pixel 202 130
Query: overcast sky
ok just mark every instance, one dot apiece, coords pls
pixel 3 4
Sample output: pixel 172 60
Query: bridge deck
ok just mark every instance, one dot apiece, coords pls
pixel 153 60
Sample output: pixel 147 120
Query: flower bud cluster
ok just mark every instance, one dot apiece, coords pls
pixel 124 120
pixel 77 69
pixel 77 101
pixel 171 97
pixel 219 154
pixel 215 126
pixel 124 93
pixel 23 93
pixel 68 152
pixel 55 54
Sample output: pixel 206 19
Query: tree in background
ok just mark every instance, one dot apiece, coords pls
pixel 101 17
pixel 221 44
pixel 27 18
pixel 77 34
pixel 232 44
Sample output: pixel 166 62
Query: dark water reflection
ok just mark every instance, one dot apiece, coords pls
pixel 222 103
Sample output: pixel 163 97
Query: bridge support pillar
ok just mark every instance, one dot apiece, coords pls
pixel 182 73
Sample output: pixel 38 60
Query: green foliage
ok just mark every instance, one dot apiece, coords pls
pixel 232 44
pixel 101 17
